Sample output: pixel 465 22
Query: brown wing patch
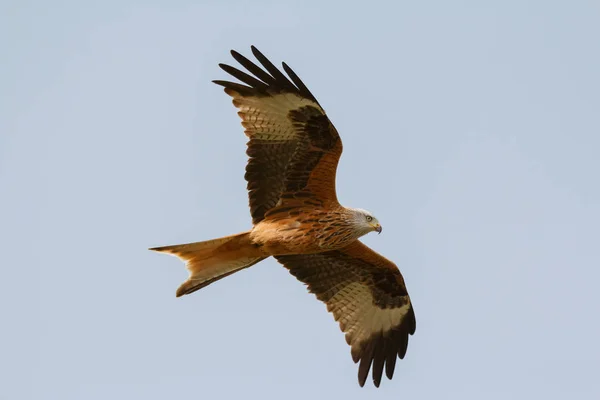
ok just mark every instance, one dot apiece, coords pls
pixel 292 142
pixel 319 138
pixel 265 174
pixel 320 133
pixel 367 296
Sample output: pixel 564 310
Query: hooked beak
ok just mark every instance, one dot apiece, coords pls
pixel 378 228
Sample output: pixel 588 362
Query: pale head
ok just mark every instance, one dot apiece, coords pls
pixel 365 222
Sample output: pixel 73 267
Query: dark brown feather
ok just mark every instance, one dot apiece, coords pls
pixel 390 361
pixel 280 78
pixel 244 77
pixel 253 68
pixel 298 82
pixel 379 356
pixel 236 87
pixel 365 363
pixel 265 174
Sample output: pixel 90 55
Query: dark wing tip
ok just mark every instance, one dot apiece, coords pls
pixel 236 87
pixel 390 364
pixel 266 80
pixel 379 356
pixel 382 351
pixel 366 358
pixel 249 80
pixel 411 320
pixel 298 82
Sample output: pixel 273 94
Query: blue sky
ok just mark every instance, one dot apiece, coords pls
pixel 470 130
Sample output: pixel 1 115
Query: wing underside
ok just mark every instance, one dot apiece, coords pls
pixel 367 296
pixel 293 147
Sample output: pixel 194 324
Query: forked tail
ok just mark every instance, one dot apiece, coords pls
pixel 214 259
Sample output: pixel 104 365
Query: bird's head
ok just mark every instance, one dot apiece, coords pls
pixel 365 221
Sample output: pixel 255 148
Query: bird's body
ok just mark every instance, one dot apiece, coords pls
pixel 306 230
pixel 293 152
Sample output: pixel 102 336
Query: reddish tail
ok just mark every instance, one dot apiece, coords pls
pixel 214 259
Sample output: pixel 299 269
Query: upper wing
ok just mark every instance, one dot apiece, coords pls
pixel 366 294
pixel 293 148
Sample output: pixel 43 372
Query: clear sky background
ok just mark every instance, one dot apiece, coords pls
pixel 471 130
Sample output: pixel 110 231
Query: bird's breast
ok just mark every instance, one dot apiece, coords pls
pixel 301 236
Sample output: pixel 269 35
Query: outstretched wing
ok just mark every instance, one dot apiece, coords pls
pixel 293 148
pixel 367 296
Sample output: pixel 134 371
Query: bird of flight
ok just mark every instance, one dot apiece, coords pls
pixel 293 152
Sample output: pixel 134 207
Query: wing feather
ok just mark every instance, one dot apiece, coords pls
pixel 293 147
pixel 298 82
pixel 244 77
pixel 367 296
pixel 280 78
pixel 253 68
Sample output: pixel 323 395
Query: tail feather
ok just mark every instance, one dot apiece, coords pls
pixel 214 259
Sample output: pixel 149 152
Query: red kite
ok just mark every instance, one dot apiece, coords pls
pixel 293 153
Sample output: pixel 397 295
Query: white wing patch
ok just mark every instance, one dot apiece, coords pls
pixel 352 306
pixel 266 118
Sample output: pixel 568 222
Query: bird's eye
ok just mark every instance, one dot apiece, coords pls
pixel 369 218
